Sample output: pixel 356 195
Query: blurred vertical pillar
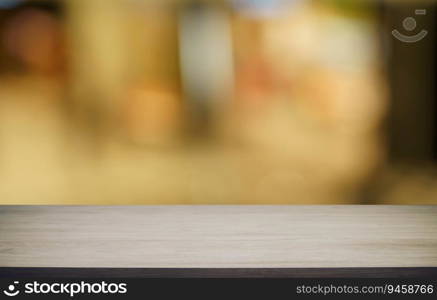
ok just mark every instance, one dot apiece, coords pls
pixel 206 60
pixel 99 51
pixel 412 72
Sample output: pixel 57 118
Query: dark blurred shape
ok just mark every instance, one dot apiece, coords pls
pixel 8 4
pixel 412 118
pixel 32 37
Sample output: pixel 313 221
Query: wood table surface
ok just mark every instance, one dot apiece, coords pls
pixel 218 237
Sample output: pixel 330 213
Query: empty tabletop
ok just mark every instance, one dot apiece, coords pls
pixel 218 236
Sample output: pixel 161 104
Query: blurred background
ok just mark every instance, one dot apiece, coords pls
pixel 217 102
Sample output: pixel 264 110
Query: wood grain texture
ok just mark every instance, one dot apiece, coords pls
pixel 218 273
pixel 218 236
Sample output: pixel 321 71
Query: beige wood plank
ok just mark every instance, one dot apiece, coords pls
pixel 218 236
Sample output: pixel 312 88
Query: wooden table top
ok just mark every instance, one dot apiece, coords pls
pixel 218 236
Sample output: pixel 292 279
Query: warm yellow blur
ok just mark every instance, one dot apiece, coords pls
pixel 196 102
